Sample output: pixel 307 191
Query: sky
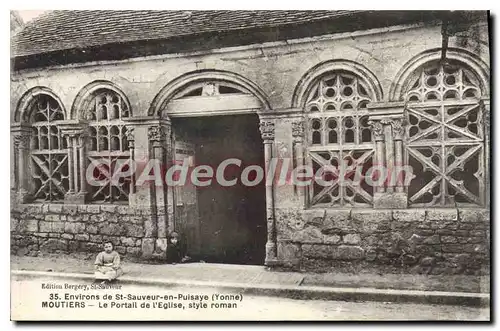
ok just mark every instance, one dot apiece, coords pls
pixel 28 15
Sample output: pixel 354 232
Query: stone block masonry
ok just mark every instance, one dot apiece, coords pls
pixel 277 79
pixel 80 228
pixel 432 241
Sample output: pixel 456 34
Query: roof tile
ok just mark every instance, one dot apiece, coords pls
pixel 68 29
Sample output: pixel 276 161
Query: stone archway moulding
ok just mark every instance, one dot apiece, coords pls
pixel 21 115
pixel 159 109
pixel 83 97
pixel 473 62
pixel 309 79
pixel 172 88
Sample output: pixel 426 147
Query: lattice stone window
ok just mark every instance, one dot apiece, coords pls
pixel 445 138
pixel 338 134
pixel 108 145
pixel 49 151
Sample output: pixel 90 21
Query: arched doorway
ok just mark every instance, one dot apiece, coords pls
pixel 215 120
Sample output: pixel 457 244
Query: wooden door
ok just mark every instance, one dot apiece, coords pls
pixel 187 223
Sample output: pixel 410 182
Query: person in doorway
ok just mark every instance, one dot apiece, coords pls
pixel 107 264
pixel 175 251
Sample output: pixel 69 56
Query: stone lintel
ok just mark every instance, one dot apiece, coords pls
pixel 147 121
pixel 65 131
pixel 390 200
pixel 384 110
pixel 284 112
pixel 71 123
pixel 387 105
pixel 72 127
pixel 385 117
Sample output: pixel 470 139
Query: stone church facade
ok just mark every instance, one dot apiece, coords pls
pixel 320 88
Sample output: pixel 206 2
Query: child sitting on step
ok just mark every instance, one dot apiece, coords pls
pixel 107 264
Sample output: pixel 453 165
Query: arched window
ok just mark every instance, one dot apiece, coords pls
pixel 338 135
pixel 48 149
pixel 108 145
pixel 445 136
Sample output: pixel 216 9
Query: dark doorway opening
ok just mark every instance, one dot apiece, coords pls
pixel 232 219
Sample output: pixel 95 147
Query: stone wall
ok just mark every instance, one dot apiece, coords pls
pixel 435 241
pixel 276 68
pixel 57 228
pixel 420 241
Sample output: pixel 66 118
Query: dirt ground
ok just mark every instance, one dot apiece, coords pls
pixel 83 263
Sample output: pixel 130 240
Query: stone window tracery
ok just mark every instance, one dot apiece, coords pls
pixel 339 135
pixel 445 136
pixel 49 151
pixel 108 145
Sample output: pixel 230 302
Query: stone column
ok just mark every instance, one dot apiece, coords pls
pixel 398 131
pixel 131 139
pixel 75 151
pixel 389 154
pixel 140 198
pixel 145 142
pixel 22 139
pixel 75 136
pixel 169 162
pixel 387 121
pixel 82 150
pixel 379 155
pixel 71 172
pixel 159 136
pixel 268 134
pixel 298 147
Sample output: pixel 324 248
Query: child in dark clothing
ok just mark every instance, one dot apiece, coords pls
pixel 176 250
pixel 174 254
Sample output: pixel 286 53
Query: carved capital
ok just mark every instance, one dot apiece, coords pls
pixel 129 134
pixel 156 133
pixel 398 128
pixel 377 129
pixel 73 132
pixel 298 130
pixel 76 137
pixel 22 141
pixel 397 125
pixel 267 130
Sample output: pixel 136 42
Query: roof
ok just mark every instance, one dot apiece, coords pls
pixel 69 29
pixel 16 22
pixel 78 36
